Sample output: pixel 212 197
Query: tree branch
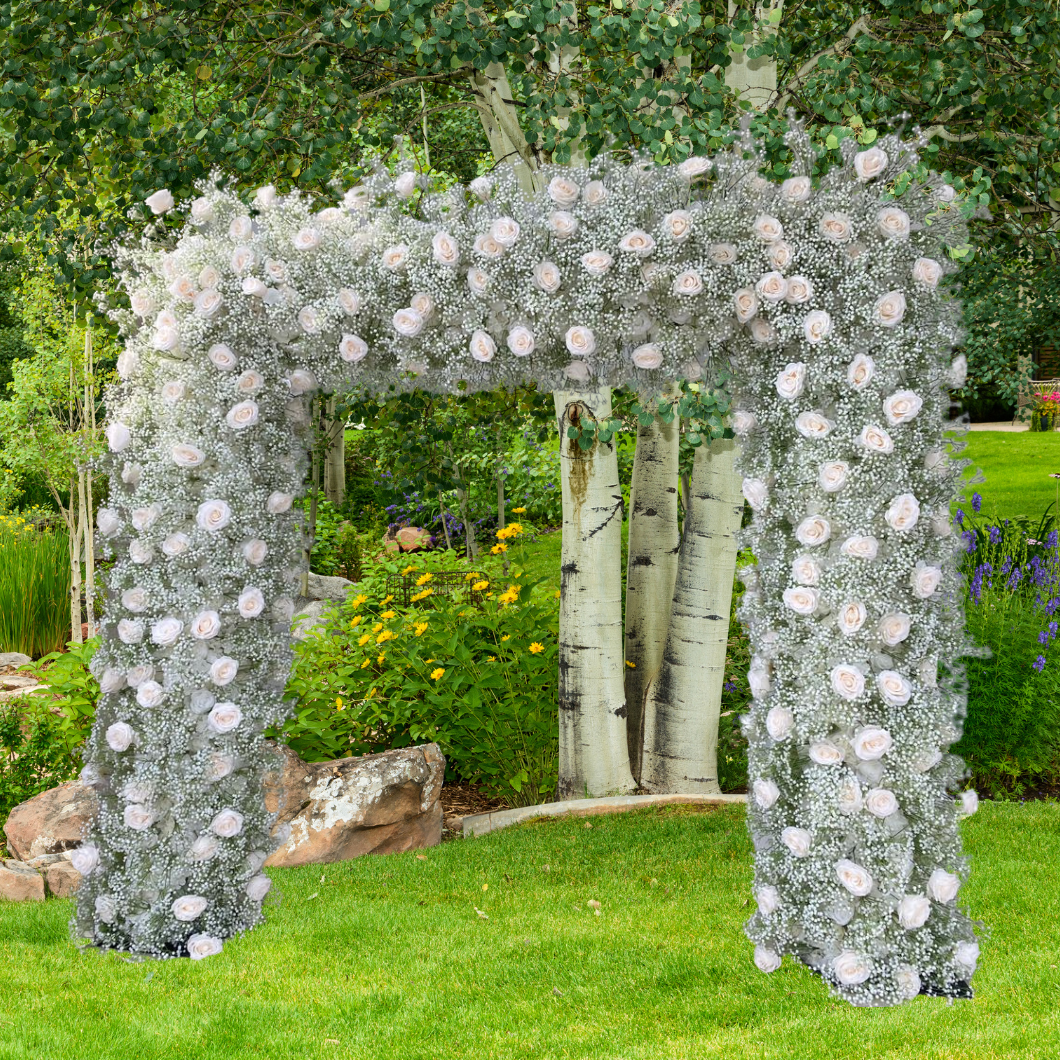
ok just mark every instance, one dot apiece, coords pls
pixel 860 26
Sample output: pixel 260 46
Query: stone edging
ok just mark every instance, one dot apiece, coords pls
pixel 482 823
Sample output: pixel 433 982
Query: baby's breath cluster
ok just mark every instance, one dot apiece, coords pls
pixel 823 298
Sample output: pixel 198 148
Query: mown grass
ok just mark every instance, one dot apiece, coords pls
pixel 387 957
pixel 1017 468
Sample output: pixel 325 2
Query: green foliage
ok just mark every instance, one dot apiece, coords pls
pixel 533 481
pixel 12 345
pixel 736 695
pixel 478 676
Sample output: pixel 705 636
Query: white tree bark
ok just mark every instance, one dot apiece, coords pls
pixel 755 79
pixel 593 754
pixel 651 568
pixel 683 702
pixel 334 456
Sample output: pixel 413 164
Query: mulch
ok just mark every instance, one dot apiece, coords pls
pixel 461 799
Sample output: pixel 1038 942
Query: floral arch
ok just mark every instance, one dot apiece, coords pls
pixel 824 302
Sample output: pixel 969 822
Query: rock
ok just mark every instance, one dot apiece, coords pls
pixel 376 804
pixel 60 877
pixel 322 587
pixel 9 681
pixel 313 614
pixel 408 539
pixel 50 822
pixel 13 658
pixel 20 883
pixel 18 693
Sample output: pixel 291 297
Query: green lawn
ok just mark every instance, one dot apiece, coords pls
pixel 386 957
pixel 1017 468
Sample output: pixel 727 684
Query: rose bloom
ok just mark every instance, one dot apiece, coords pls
pixel 85 858
pixel 243 258
pixel 130 473
pixel 183 288
pixel 969 802
pixel 130 631
pixel 745 301
pixel 505 230
pixel 150 694
pixel 889 309
pixel 120 736
pixel 797 840
pixel 139 552
pixel 780 255
pixel 580 341
pixel 902 406
pixel 876 439
pixel 594 193
pixel 208 303
pixel 766 793
pixel 563 224
pixel 796 189
pixel 849 800
pixel 309 320
pixel 851 617
pixel 118 437
pixel 204 848
pixel 648 356
pixel 224 717
pixel 832 476
pixel 860 371
pixel 223 670
pixel 758 681
pixel 847 682
pixel 521 341
pixel 768 229
pixel 107 522
pixel 913 911
pixel 202 211
pixel 743 422
pixel 836 227
pixel 870 164
pixel 254 552
pixel 488 247
pixel 722 253
pixel 176 545
pixel 577 371
pixel 678 225
pixel 893 222
pixel 405 185
pixel 813 425
pixel 227 823
pixel 903 513
pixel 766 960
pixel 349 301
pixel 802 600
pixel 408 322
pixel 772 287
pixel 762 332
pixel 353 348
pixel 563 191
pixel 222 357
pixel 791 382
pixel 596 262
pixel 167 631
pixel 695 166
pixel 908 982
pixel 825 753
pixel 894 688
pixel 145 518
pixel 277 503
pixel 852 968
pixel 958 372
pixel 481 188
pixel 173 391
pixel 219 767
pixel 817 326
pixel 138 674
pixel 806 569
pixel 800 290
pixel 547 277
pixel 857 880
pixel 779 723
pixel 767 898
pixel 138 817
pixel 276 270
pixel 637 242
pixel 482 347
pixel 240 228
pixel 213 515
pixel 243 415
pixel 813 530
pixel 756 493
pixel 396 257
pixel 306 239
pixel 112 680
pixel 206 625
pixel 188 907
pixel 881 803
pixel 943 885
pixel 687 283
pixel 160 201
pixel 252 285
pixel 872 743
pixel 142 303
pixel 258 887
pixel 927 272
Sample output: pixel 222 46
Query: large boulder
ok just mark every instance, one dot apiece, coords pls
pixel 407 539
pixel 60 877
pixel 50 822
pixel 324 587
pixel 376 804
pixel 20 883
pixel 13 658
pixel 308 618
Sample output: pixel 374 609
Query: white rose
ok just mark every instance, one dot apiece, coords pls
pixel 173 391
pixel 580 341
pixel 903 513
pixel 306 239
pixel 796 189
pixel 870 164
pixel 258 887
pixel 801 600
pixel 637 242
pixel 847 682
pixel 913 911
pixel 768 229
pixel 302 381
pixel 722 253
pixel 857 880
pixel 251 602
pixel 860 371
pixel 309 320
pixel 213 515
pixel 250 382
pixel 227 823
pixel 779 723
pixel 860 546
pixel 106 908
pixel 969 802
pixel 594 193
pixel 772 287
pixel 797 840
pixel 176 545
pixel 120 736
pixel 477 281
pixel 396 257
pixel 138 674
pixel 206 625
pixel 958 372
pixel 943 885
pixel 202 211
pixel 85 858
pixel 183 288
pixel 160 201
pixel 894 688
pixel 278 502
pixel 894 628
pixel 966 954
pixel 167 631
pixel 908 982
pixel 547 277
pixel 800 290
pixel 852 968
pixel 851 617
pixel 482 347
pixel 893 222
pixel 222 357
pixel 758 681
pixel 481 188
pixel 817 326
pixel 488 247
pixel 108 522
pixel 832 476
pixel 200 946
pixel 240 228
pixel 902 406
pixel 825 753
pixel 766 793
pixel 142 303
pixel 687 283
pixel 945 193
pixel 223 670
pixel 204 848
pixel 768 899
pixel 876 439
pixel 264 198
pixel 353 348
pixel 889 309
pixel 184 455
pixel 150 694
pixel 252 285
pixel 139 552
pixel 743 423
pixel 597 262
pixel 806 569
pixel 137 817
pixel 780 255
pixel 563 224
pixel 563 192
pixel 521 341
pixel 766 960
pixel 849 800
pixel 836 227
pixel 813 530
pixel 872 743
pixel 188 907
pixel 756 492
pixel 224 717
pixel 405 185
pixel 694 166
pixel 881 803
pixel 578 371
pixel 243 258
pixel 130 631
pixel 647 356
pixel 678 225
pixel 745 302
pixel 145 518
pixel 208 303
pixel 813 425
pixel 408 322
pixel 254 552
pixel 243 415
pixel 112 680
pixel 505 230
pixel 219 767
pixel 791 382
pixel 118 437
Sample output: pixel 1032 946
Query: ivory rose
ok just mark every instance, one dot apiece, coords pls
pixel 813 425
pixel 130 631
pixel 405 185
pixel 860 546
pixel 687 283
pixel 120 736
pixel 768 229
pixel 796 189
pixel 943 886
pixel 202 211
pixel 694 166
pixel 743 422
pixel 140 673
pixel 913 911
pixel 903 513
pixel 258 887
pixel 240 228
pixel 857 880
pixel 678 225
pixel 847 682
pixel 563 191
pixel 860 371
pixel 249 382
pixel 907 980
pixel 800 290
pixel 832 476
pixel 766 960
pixel 145 518
pixel 563 224
pixel 813 530
pixel 521 341
pixel 894 628
pixel 780 255
pixel 825 753
pixel 140 552
pixel 902 406
pixel 893 223
pixel 242 415
pixel 219 767
pixel 227 823
pixel 801 600
pixel 791 381
pixel 481 188
pixel 797 840
pixel 966 954
pixel 349 300
pixel 894 688
pixel 779 723
pixel 408 322
pixel 547 277
pixel 836 227
pixel 138 817
pixel 160 202
pixel 852 968
pixel 756 493
pixel 201 946
pixel 213 515
pixel 118 437
pixel 637 242
pixel 597 262
pixel 758 681
pixel 352 348
pixel 482 347
pixel 112 679
pixel 849 800
pixel 396 257
pixel 176 544
pixel 765 792
pixel 927 272
pixel 205 625
pixel 224 717
pixel 208 303
pixel 889 309
pixel 722 253
pixel 851 617
pixel 223 670
pixel 806 569
pixel 876 439
pixel 254 552
pixel 278 502
pixel 580 341
pixel 647 356
pixel 243 259
pixel 772 287
pixel 817 326
pixel 204 848
pixel 222 357
pixel 167 631
pixel 870 164
pixel 188 907
pixel 745 302
pixel 767 898
pixel 595 193
pixel 488 247
pixel 871 743
pixel 881 803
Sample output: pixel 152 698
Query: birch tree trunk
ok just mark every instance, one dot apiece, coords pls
pixel 755 80
pixel 86 499
pixel 684 699
pixel 334 456
pixel 75 528
pixel 654 543
pixel 593 752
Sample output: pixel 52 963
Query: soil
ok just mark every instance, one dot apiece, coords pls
pixel 461 799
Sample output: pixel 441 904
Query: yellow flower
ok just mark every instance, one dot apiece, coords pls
pixel 388 614
pixel 631 665
pixel 507 636
pixel 518 511
pixel 423 579
pixel 387 634
pixel 371 693
pixel 509 597
pixel 387 599
pixel 382 657
pixel 411 566
pixel 427 662
pixel 437 675
pixel 557 594
pixel 499 548
pixel 358 600
pixel 364 640
pixel 377 627
pixel 491 658
pixel 536 649
pixel 356 622
pixel 365 663
pixel 479 586
pixel 421 595
pixel 472 576
pixel 338 702
pixel 420 628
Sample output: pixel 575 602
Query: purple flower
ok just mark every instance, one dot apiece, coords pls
pixel 1039 663
pixel 1051 539
pixel 1043 637
pixel 977 502
pixel 729 686
pixel 968 536
pixel 995 535
pixel 959 518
